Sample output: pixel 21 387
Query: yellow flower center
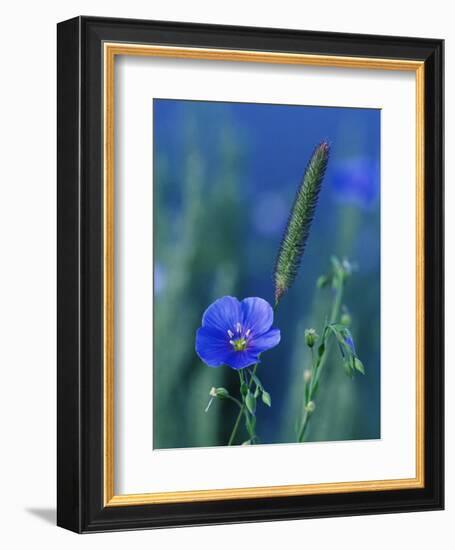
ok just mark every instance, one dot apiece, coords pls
pixel 239 345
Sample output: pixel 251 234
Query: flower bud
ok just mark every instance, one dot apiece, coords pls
pixel 346 319
pixel 347 267
pixel 310 406
pixel 310 337
pixel 221 393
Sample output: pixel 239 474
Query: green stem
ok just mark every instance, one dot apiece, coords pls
pixel 249 417
pixel 241 412
pixel 306 418
pixel 234 400
pixel 318 367
pixel 236 425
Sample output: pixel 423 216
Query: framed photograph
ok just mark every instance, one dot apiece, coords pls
pixel 250 274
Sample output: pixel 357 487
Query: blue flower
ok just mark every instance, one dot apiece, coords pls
pixel 235 333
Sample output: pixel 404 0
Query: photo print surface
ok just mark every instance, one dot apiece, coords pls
pixel 266 274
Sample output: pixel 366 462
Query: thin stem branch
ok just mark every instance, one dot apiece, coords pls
pixel 241 412
pixel 236 425
pixel 318 367
pixel 306 418
pixel 234 400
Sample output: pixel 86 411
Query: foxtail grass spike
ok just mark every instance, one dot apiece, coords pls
pixel 299 222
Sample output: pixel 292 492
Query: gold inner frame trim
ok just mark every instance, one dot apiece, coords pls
pixel 110 50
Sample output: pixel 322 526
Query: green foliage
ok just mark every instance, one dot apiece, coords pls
pixel 203 250
pixel 339 273
pixel 256 380
pixel 244 389
pixel 358 365
pixel 336 326
pixel 345 318
pixel 187 249
pixel 299 222
pixel 343 336
pixel 250 402
pixel 266 398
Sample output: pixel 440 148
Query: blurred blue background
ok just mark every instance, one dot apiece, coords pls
pixel 225 176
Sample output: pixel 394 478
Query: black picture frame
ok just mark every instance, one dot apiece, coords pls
pixel 80 476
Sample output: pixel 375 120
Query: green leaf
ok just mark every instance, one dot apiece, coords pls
pixel 321 349
pixel 347 364
pixel 337 326
pixel 338 334
pixel 253 422
pixel 250 402
pixel 256 380
pixel 250 422
pixel 244 388
pixel 266 398
pixel 358 365
pixel 342 333
pixel 323 281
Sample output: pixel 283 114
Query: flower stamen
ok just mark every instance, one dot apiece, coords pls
pixel 239 345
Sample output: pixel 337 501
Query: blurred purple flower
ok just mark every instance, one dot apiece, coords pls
pixel 349 340
pixel 235 333
pixel 356 180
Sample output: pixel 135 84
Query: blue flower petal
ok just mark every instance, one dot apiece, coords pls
pixel 212 346
pixel 240 359
pixel 257 315
pixel 223 314
pixel 350 342
pixel 266 341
